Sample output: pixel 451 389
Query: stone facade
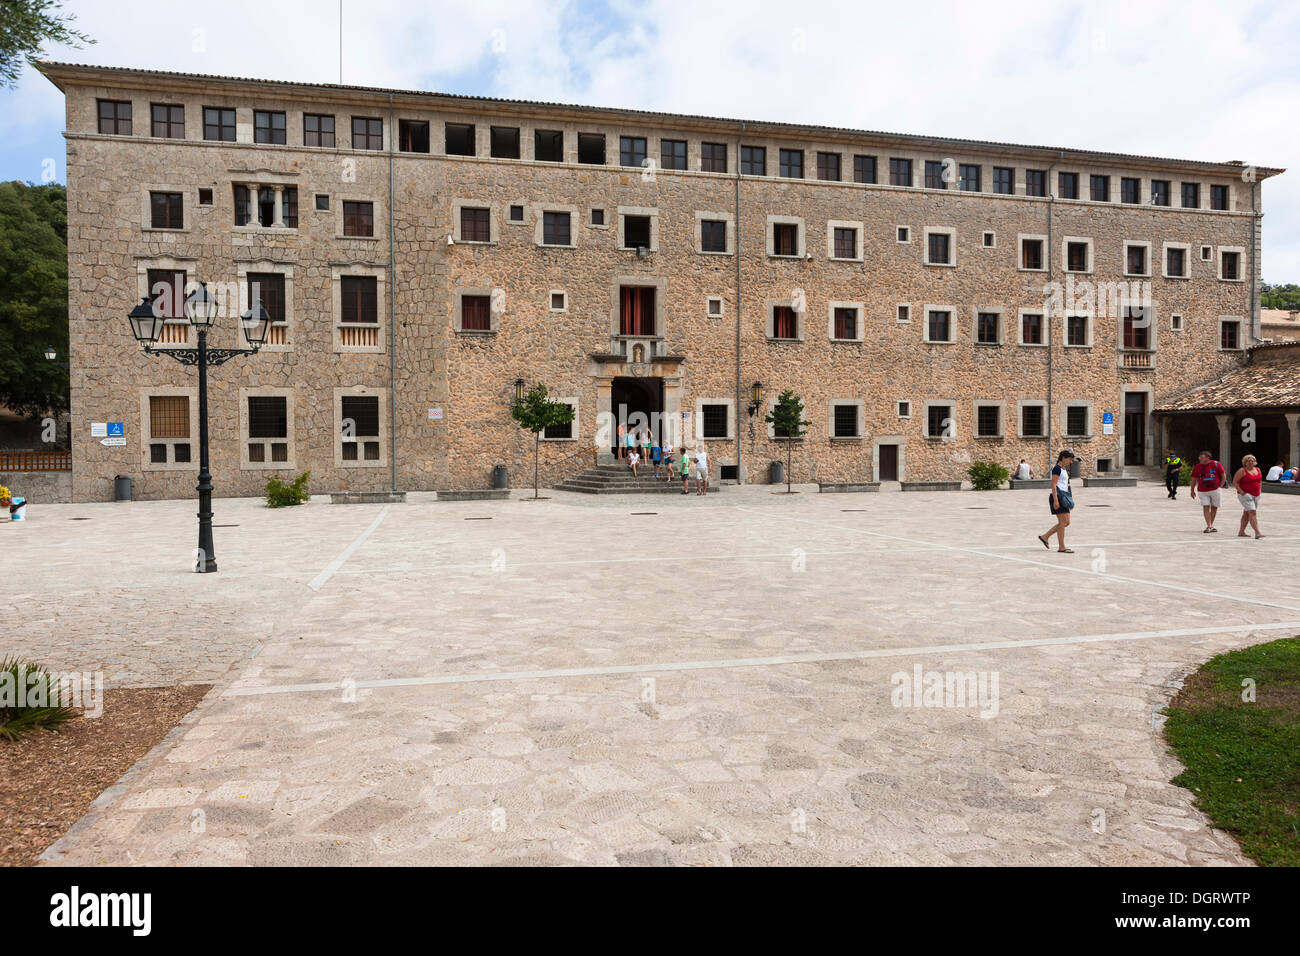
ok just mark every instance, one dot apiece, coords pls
pixel 555 309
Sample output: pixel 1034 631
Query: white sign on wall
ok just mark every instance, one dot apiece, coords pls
pixel 98 429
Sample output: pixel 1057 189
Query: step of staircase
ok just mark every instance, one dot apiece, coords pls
pixel 618 480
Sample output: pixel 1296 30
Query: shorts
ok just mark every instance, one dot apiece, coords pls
pixel 1210 499
pixel 1248 502
pixel 1066 500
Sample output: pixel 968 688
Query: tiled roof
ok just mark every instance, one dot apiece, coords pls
pixel 1261 385
pixel 49 67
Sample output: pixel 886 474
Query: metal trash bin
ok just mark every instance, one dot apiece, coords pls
pixel 122 488
pixel 778 473
pixel 500 477
pixel 1074 468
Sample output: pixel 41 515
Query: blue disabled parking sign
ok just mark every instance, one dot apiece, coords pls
pixel 115 430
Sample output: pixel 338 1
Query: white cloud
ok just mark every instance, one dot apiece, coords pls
pixel 1195 79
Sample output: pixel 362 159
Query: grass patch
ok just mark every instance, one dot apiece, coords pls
pixel 1243 758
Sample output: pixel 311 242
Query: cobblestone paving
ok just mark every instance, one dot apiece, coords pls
pixel 567 681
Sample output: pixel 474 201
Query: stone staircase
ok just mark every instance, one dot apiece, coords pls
pixel 616 479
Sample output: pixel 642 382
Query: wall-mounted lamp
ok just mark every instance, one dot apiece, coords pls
pixel 519 390
pixel 756 395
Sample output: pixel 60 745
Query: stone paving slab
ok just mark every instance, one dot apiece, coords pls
pixel 566 681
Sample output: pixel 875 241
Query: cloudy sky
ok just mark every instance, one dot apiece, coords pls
pixel 1192 79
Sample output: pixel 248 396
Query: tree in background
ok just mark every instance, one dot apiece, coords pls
pixel 787 421
pixel 33 297
pixel 536 413
pixel 1279 296
pixel 25 26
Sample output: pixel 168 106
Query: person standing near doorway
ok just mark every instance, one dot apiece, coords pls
pixel 1061 502
pixel 1208 479
pixel 622 434
pixel 701 471
pixel 1173 468
pixel 1247 482
pixel 685 466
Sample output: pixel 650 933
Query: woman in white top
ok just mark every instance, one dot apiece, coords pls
pixel 1061 501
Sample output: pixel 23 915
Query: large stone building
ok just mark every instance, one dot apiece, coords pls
pixel 932 301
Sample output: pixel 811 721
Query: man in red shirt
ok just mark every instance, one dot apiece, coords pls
pixel 1208 477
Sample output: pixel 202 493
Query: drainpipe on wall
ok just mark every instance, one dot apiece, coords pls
pixel 740 467
pixel 392 303
pixel 1256 317
pixel 1051 319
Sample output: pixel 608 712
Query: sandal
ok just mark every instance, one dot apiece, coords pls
pixel 1043 542
pixel 1065 551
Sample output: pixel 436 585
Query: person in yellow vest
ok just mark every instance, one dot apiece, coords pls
pixel 1173 467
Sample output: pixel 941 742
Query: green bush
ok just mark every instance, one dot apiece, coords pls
pixel 1185 476
pixel 987 475
pixel 42 700
pixel 280 495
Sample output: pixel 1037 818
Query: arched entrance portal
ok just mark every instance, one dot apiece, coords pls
pixel 637 403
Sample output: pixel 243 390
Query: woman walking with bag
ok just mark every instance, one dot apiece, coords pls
pixel 1061 501
pixel 1247 482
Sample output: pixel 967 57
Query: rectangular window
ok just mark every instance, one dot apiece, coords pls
pixel 1031 254
pixel 790 163
pixel 205 197
pixel 268 127
pixel 900 172
pixel 268 288
pixel 358 218
pixel 672 154
pixel 938 421
pixel 1160 192
pixel 115 117
pixel 1231 265
pixel 1067 185
pixel 555 229
pixel 516 213
pixel 1076 257
pixel 218 124
pixel 476 313
pixel 986 328
pixel 268 420
pixel 169 428
pixel 413 136
pixel 360 415
pixel 1191 195
pixel 1076 420
pixel 785 239
pixel 1099 187
pixel 846 323
pixel 548 145
pixel 1035 182
pixel 864 169
pixel 988 421
pixel 167 290
pixel 168 121
pixel 598 217
pixel 1130 189
pixel 289 207
pixel 1230 335
pixel 636 232
pixel 317 129
pixel 503 142
pixel 1135 258
pixel 475 225
pixel 846 243
pixel 939 326
pixel 845 421
pixel 1004 180
pixel 753 161
pixel 784 323
pixel 828 167
pixel 559 431
pixel 715 420
pixel 940 249
pixel 904 313
pixel 1076 330
pixel 1031 329
pixel 1176 262
pixel 591 149
pixel 631 151
pixel 934 175
pixel 713 235
pixel 360 299
pixel 713 157
pixel 636 310
pixel 460 139
pixel 969 177
pixel 1137 329
pixel 1218 197
pixel 367 132
pixel 166 211
pixel 1031 421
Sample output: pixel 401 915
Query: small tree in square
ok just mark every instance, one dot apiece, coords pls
pixel 786 419
pixel 536 413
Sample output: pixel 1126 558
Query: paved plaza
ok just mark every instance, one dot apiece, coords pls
pixel 652 679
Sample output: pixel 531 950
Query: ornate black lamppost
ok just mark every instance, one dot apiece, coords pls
pixel 201 309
